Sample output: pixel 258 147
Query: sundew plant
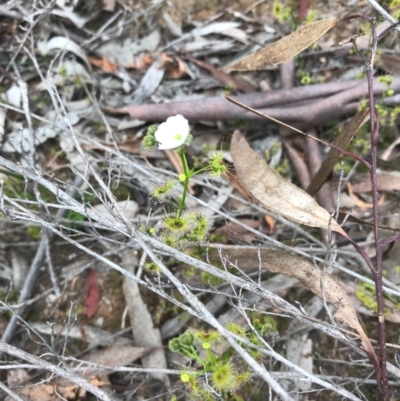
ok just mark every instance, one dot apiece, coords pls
pixel 184 226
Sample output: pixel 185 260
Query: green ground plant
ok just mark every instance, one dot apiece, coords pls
pixel 218 372
pixel 183 226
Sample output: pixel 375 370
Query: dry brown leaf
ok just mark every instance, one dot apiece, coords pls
pixel 52 391
pixel 341 141
pixel 42 392
pixel 271 224
pixel 174 66
pixel 98 382
pixel 133 146
pixel 130 146
pixel 144 329
pixel 105 64
pixel 305 271
pixel 278 261
pixel 114 355
pixel 387 181
pixel 142 63
pixel 71 391
pixel 272 191
pixel 359 202
pixel 286 48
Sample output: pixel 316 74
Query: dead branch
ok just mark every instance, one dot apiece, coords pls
pixel 282 104
pixel 39 362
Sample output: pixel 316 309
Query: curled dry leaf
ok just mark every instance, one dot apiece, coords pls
pixel 92 299
pixel 286 48
pixel 272 191
pixel 359 202
pixel 104 63
pixel 92 294
pixel 305 271
pixel 175 67
pixel 320 283
pixel 333 292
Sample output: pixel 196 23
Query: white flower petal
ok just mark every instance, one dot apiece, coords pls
pixel 172 133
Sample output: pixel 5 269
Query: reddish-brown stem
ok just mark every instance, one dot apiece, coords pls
pixel 377 271
pixel 374 359
pixel 387 30
pixel 303 9
pixel 391 239
pixel 374 182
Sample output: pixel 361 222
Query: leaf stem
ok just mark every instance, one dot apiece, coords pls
pixel 187 174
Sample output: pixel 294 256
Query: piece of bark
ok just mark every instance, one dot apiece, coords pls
pixel 217 108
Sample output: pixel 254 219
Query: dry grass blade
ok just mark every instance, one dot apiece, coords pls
pixel 342 141
pixel 274 192
pixel 286 48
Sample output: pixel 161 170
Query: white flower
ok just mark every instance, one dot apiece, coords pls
pixel 172 133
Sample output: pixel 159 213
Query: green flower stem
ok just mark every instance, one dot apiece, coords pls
pixel 185 182
pixel 200 170
pixel 192 353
